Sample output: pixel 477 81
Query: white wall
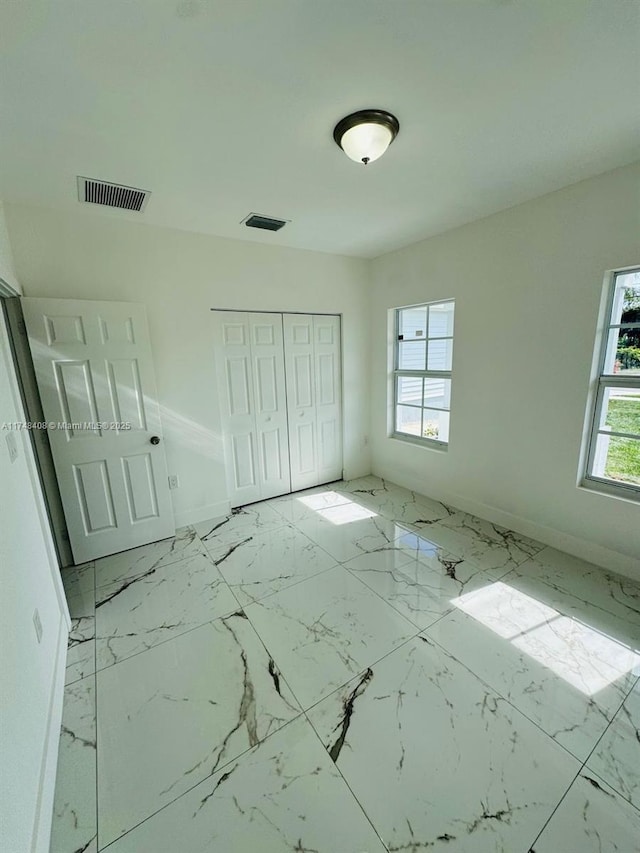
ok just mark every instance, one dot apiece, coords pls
pixel 180 276
pixel 31 673
pixel 7 271
pixel 527 284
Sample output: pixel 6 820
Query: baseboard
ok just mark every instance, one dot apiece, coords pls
pixel 40 840
pixel 605 558
pixel 203 513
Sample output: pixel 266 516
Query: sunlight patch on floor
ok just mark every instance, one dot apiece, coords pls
pixel 338 509
pixel 582 656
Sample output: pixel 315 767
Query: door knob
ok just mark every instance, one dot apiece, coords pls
pixel 154 439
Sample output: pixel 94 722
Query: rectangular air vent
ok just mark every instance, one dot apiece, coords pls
pixel 112 195
pixel 257 220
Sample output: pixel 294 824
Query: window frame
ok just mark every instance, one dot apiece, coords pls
pixel 602 382
pixel 424 374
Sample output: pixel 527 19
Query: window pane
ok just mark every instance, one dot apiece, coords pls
pixel 411 355
pixel 621 410
pixel 435 425
pixel 412 322
pixel 617 459
pixel 410 390
pixel 440 355
pixel 441 320
pixel 623 352
pixel 626 301
pixel 437 393
pixel 408 420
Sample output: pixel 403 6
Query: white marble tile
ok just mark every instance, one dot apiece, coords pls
pixel 74 825
pixel 242 522
pixel 323 631
pixel 169 718
pixel 345 534
pixel 488 546
pixel 369 485
pixel 591 819
pixel 132 564
pixel 135 615
pixel 605 601
pixel 439 761
pixel 567 678
pixel 617 756
pixel 267 562
pixel 285 795
pixel 81 649
pixel 403 506
pixel 422 588
pixel 518 546
pixel 300 506
pixel 79 587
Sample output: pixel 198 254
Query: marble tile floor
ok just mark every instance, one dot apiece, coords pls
pixel 352 669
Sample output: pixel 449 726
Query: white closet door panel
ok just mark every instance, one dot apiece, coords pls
pixel 270 404
pixel 301 394
pixel 237 408
pixel 328 370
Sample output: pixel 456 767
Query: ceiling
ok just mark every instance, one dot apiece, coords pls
pixel 224 107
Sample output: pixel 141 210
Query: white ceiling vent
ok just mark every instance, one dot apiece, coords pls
pixel 93 191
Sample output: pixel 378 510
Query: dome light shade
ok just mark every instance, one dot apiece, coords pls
pixel 365 136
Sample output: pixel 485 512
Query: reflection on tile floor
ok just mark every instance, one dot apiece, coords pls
pixel 352 669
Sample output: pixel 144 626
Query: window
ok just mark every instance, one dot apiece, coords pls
pixel 422 371
pixel 614 451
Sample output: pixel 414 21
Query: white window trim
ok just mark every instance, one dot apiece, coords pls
pixel 420 441
pixel 601 383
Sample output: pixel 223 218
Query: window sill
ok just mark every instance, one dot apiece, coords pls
pixel 629 494
pixel 425 443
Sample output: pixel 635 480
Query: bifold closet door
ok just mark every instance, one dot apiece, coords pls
pixel 313 371
pixel 250 365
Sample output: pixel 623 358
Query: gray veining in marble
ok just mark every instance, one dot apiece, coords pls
pixel 74 824
pixel 128 566
pixel 160 604
pixel 566 677
pixel 265 563
pixel 81 649
pixel 616 759
pixel 284 796
pixel 242 522
pixel 592 818
pixel 183 709
pixel 324 631
pixel 437 759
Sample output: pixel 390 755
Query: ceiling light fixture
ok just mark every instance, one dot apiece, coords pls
pixel 364 136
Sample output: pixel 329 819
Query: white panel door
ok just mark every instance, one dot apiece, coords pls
pixel 299 363
pixel 95 375
pixel 270 404
pixel 312 362
pixel 328 376
pixel 235 383
pixel 250 367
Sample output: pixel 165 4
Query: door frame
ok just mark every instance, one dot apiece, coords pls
pixel 30 398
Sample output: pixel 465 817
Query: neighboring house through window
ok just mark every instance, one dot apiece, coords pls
pixel 422 372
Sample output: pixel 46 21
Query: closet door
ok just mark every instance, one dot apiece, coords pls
pixel 270 404
pixel 250 368
pixel 237 410
pixel 328 376
pixel 312 361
